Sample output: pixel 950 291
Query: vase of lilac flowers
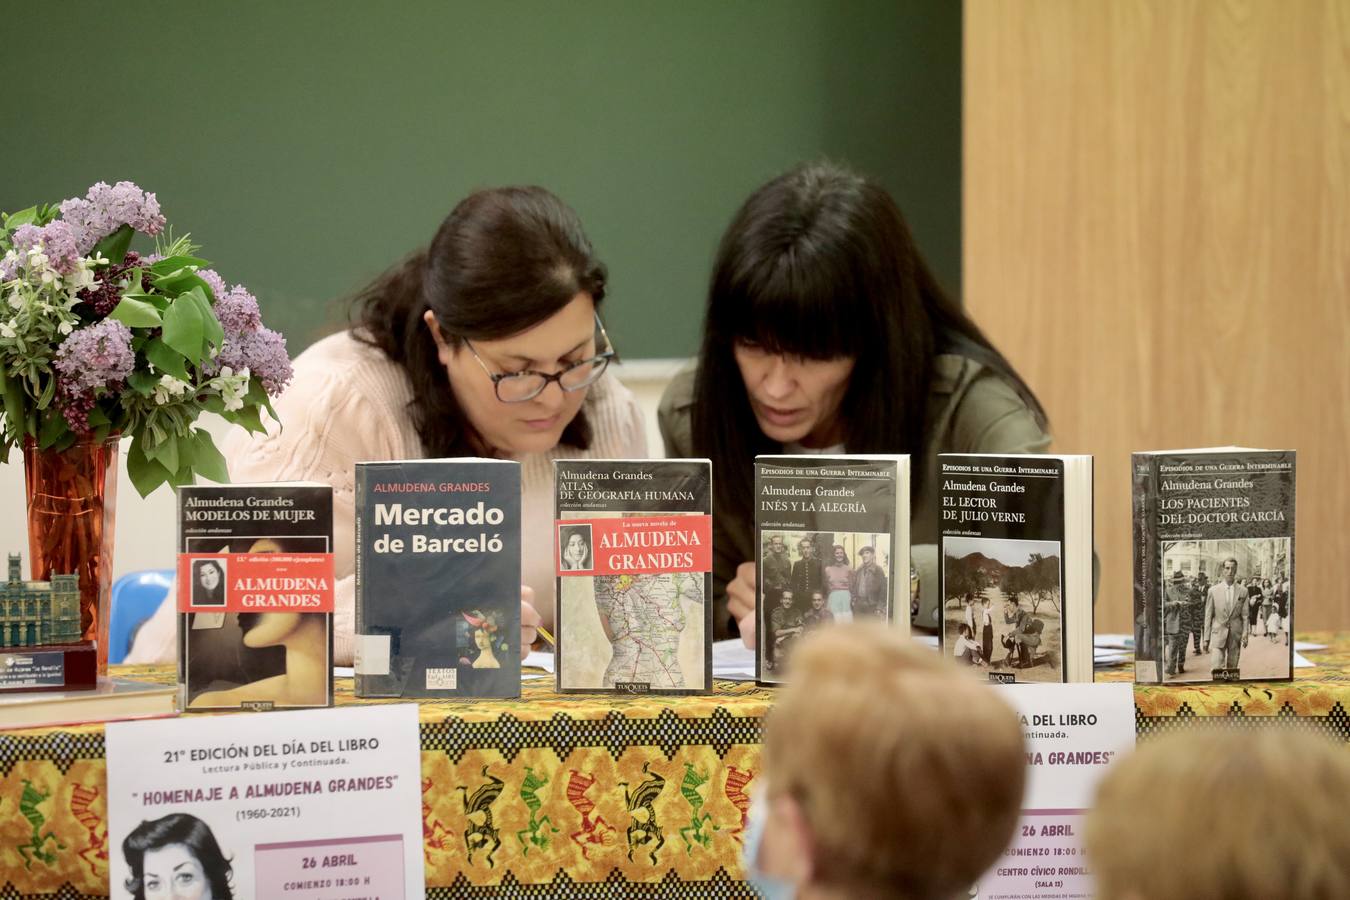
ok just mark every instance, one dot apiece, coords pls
pixel 100 344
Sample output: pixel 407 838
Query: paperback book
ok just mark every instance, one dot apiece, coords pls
pixel 633 542
pixel 831 546
pixel 255 596
pixel 438 578
pixel 1016 577
pixel 1214 565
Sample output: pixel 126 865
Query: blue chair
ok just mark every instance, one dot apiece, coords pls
pixel 135 597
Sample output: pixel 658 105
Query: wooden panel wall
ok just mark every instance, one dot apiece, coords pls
pixel 1157 233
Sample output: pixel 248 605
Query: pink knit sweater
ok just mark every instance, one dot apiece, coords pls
pixel 348 403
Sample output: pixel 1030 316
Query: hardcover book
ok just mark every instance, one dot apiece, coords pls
pixel 255 596
pixel 633 541
pixel 1214 565
pixel 831 546
pixel 110 699
pixel 1016 577
pixel 438 578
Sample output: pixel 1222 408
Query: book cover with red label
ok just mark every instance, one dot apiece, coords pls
pixel 633 551
pixel 255 596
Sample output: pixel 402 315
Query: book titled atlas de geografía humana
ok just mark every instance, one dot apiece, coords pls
pixel 633 548
pixel 1016 577
pixel 831 546
pixel 1214 565
pixel 255 596
pixel 438 578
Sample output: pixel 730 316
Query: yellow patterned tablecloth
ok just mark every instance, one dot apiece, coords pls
pixel 598 796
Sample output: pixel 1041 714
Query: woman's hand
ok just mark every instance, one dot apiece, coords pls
pixel 529 620
pixel 741 601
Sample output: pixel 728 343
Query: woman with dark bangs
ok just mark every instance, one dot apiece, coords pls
pixel 825 332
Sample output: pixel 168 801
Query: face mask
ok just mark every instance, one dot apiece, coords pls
pixel 769 887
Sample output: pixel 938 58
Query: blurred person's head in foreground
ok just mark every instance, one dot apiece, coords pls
pixel 1281 829
pixel 887 773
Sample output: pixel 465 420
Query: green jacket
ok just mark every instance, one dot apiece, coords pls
pixel 971 409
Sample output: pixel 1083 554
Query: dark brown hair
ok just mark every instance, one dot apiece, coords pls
pixel 503 261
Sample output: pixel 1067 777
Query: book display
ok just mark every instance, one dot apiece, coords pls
pixel 832 546
pixel 634 557
pixel 1214 565
pixel 1016 570
pixel 438 578
pixel 255 596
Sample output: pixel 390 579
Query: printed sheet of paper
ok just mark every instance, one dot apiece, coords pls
pixel 1073 732
pixel 312 805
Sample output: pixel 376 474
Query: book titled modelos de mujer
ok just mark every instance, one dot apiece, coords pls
pixel 1214 565
pixel 438 578
pixel 633 542
pixel 831 546
pixel 255 596
pixel 1016 578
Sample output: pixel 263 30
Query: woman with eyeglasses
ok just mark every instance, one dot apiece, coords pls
pixel 487 342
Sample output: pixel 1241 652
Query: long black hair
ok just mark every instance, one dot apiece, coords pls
pixel 504 260
pixel 177 828
pixel 819 264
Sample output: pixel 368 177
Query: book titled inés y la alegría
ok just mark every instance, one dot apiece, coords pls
pixel 633 541
pixel 1214 565
pixel 1016 542
pixel 255 596
pixel 831 546
pixel 438 578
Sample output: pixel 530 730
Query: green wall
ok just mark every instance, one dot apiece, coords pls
pixel 308 145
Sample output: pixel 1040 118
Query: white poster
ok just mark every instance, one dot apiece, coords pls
pixel 1073 732
pixel 311 805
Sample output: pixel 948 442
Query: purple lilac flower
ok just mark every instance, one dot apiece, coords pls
pixel 212 278
pixel 98 356
pixel 106 292
pixel 59 242
pixel 105 209
pixel 237 311
pixel 261 351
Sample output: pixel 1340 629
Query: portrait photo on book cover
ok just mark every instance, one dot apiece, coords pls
pixel 176 855
pixel 208 581
pixel 574 548
pixel 1002 607
pixel 279 657
pixel 810 580
pixel 639 631
pixel 1227 607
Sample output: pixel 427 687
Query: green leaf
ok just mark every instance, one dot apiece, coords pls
pixel 215 335
pixel 180 282
pixel 22 217
pixel 53 429
pixel 67 441
pixel 170 264
pixel 135 313
pixel 142 383
pixel 165 359
pixel 48 391
pixel 247 418
pixel 115 245
pixel 209 463
pixel 145 474
pixel 165 453
pixel 13 395
pixel 97 417
pixel 184 330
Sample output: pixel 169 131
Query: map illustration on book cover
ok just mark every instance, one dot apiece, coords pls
pixel 438 578
pixel 1214 565
pixel 1016 577
pixel 633 541
pixel 255 596
pixel 832 546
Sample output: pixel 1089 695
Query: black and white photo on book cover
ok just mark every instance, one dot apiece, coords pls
pixel 812 579
pixel 1227 605
pixel 1002 612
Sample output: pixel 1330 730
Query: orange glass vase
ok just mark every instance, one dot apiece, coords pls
pixel 72 496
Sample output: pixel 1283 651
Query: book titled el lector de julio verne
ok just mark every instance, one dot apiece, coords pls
pixel 1016 576
pixel 1214 565
pixel 438 578
pixel 831 546
pixel 255 596
pixel 633 550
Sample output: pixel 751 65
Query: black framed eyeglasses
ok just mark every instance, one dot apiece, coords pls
pixel 517 387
